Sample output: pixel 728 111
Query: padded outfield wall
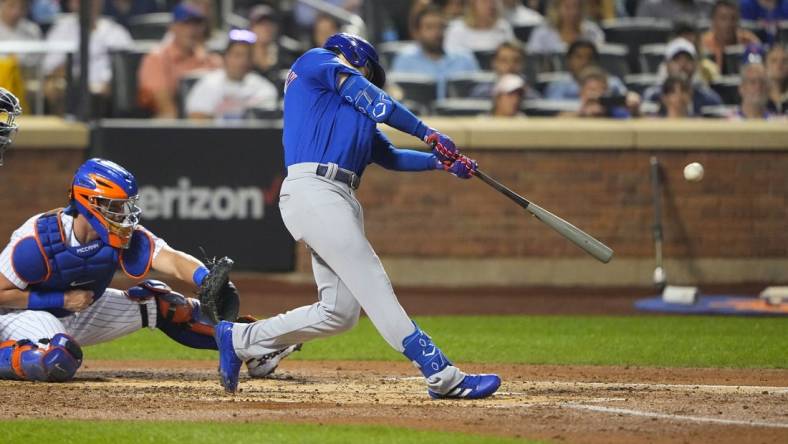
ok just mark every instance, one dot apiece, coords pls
pixel 434 229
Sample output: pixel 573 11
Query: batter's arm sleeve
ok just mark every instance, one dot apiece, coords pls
pixel 374 103
pixel 391 158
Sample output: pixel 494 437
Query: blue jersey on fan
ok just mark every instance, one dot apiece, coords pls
pixel 323 126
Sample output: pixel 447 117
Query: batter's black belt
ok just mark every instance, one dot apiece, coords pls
pixel 347 177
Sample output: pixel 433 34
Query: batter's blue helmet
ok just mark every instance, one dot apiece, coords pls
pixel 106 195
pixel 359 53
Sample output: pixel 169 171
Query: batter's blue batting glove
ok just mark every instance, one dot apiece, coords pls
pixel 442 146
pixel 464 167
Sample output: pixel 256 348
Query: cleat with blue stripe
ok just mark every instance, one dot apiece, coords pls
pixel 471 387
pixel 229 363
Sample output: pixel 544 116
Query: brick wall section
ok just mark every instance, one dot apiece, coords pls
pixel 33 181
pixel 738 210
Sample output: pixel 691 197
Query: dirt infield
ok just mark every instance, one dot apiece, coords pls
pixel 556 403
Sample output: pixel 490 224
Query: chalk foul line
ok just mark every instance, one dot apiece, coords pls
pixel 602 409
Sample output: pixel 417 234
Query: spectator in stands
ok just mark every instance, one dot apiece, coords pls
pixel 725 31
pixel 509 58
pixel 691 11
pixel 708 71
pixel 777 73
pixel 508 96
pixel 324 27
pixel 580 55
pixel 123 10
pixel 676 98
pixel 518 15
pixel 764 10
pixel 754 92
pixel 595 102
pixel 427 56
pixel 227 93
pixel 768 14
pixel 14 26
pixel 681 61
pixel 566 23
pixel 268 57
pixel 179 54
pixel 105 36
pixel 481 29
pixel 208 10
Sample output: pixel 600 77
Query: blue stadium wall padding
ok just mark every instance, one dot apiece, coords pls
pixel 715 305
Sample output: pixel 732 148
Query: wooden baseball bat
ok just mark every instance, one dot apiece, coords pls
pixel 592 246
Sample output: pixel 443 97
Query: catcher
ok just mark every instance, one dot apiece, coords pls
pixel 57 267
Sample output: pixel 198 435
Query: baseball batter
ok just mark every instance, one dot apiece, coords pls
pixel 333 102
pixel 55 271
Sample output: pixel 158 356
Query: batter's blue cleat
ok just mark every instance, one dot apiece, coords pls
pixel 229 363
pixel 471 387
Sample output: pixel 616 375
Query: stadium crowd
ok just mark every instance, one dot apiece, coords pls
pixel 597 58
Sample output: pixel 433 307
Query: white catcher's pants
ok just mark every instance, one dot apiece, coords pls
pixel 112 316
pixel 349 275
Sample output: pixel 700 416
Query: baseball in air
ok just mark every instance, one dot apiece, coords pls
pixel 693 172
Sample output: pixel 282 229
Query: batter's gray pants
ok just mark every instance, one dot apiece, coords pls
pixel 349 275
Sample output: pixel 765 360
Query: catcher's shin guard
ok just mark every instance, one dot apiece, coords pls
pixel 179 317
pixel 25 360
pixel 434 365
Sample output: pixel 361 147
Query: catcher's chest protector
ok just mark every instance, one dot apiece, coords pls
pixel 48 264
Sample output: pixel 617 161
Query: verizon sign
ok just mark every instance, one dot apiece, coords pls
pixel 207 186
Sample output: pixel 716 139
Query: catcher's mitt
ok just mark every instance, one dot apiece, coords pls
pixel 218 296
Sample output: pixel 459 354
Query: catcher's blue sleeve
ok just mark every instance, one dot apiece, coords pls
pixel 391 158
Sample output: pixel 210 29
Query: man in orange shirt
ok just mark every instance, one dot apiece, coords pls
pixel 180 53
pixel 725 31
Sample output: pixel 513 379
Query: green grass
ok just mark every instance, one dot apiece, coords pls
pixel 118 432
pixel 680 341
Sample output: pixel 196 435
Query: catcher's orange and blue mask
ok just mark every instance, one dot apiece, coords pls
pixel 106 195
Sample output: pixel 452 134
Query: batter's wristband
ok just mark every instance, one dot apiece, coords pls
pixel 45 300
pixel 199 275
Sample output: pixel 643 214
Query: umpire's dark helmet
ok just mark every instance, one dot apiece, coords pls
pixel 359 53
pixel 9 111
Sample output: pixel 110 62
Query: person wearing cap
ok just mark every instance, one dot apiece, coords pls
pixel 681 60
pixel 181 52
pixel 580 55
pixel 427 54
pixel 508 95
pixel 724 32
pixel 227 93
pixel 105 35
